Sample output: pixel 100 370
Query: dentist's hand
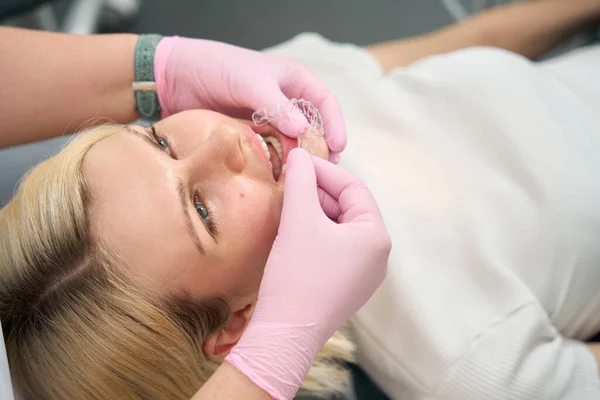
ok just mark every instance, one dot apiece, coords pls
pixel 319 273
pixel 195 73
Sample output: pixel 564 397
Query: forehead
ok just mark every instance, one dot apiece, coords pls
pixel 194 122
pixel 134 205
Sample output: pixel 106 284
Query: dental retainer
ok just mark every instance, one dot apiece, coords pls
pixel 315 131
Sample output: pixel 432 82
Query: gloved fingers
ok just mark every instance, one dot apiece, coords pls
pixel 292 124
pixel 303 84
pixel 329 205
pixel 334 157
pixel 300 190
pixel 333 122
pixel 354 199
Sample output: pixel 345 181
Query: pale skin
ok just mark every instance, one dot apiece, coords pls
pixel 94 74
pixel 212 155
pixel 199 197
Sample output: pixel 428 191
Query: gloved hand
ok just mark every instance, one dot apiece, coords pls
pixel 196 73
pixel 319 273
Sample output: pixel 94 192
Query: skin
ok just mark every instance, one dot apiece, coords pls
pixel 93 74
pixel 529 28
pixel 137 213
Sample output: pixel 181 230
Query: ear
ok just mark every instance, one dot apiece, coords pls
pixel 220 343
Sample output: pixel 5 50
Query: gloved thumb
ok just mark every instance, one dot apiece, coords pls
pixel 354 200
pixel 330 206
pixel 291 122
pixel 300 198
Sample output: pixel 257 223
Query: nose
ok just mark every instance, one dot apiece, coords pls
pixel 220 153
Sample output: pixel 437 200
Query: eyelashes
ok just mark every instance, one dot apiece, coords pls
pixel 162 142
pixel 203 210
pixel 205 213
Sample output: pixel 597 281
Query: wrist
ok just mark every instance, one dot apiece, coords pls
pixel 596 11
pixel 161 58
pixel 144 81
pixel 585 12
pixel 120 104
pixel 276 357
pixel 229 383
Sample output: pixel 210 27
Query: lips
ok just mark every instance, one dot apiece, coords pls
pixel 264 146
pixel 278 146
pixel 287 143
pixel 257 142
pixel 275 154
pixel 272 149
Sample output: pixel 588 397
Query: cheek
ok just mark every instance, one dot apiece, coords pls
pixel 253 212
pixel 247 243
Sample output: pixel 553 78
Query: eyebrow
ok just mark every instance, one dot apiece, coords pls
pixel 180 192
pixel 146 138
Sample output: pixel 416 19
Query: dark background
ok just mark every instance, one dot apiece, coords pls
pixel 261 23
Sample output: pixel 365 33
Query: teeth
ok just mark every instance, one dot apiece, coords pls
pixel 264 146
pixel 276 145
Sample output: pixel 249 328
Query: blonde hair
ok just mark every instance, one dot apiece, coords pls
pixel 77 326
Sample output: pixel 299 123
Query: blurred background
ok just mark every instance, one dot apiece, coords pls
pixel 254 24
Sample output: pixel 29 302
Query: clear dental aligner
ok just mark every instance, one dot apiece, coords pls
pixel 315 131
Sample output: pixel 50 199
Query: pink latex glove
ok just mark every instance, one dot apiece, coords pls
pixel 196 73
pixel 319 273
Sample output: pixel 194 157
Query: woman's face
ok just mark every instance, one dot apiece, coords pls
pixel 195 207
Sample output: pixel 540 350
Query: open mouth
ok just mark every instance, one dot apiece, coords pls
pixel 273 150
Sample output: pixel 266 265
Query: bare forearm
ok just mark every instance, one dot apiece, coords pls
pixel 529 28
pixel 228 383
pixel 534 27
pixel 53 83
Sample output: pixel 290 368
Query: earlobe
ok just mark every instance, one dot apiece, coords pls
pixel 220 343
pixel 209 347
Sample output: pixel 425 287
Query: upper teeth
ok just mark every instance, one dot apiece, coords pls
pixel 276 145
pixel 264 146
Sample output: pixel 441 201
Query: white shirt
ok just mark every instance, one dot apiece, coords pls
pixel 486 167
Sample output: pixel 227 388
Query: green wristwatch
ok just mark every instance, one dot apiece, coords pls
pixel 144 85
